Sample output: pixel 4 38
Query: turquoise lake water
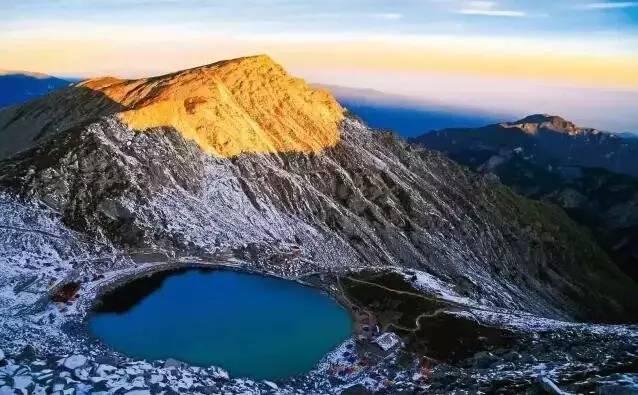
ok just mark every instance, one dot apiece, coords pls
pixel 251 325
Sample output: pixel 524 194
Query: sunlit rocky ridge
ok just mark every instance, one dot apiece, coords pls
pixel 245 105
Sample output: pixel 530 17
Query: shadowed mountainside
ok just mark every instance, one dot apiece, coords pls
pixel 359 198
pixel 587 172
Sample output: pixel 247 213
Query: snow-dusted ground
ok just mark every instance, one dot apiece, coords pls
pixel 221 224
pixel 38 252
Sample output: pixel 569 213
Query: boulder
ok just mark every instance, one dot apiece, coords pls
pixel 66 292
pixel 271 384
pixel 74 361
pixel 221 374
pixel 138 392
pixel 81 374
pixel 22 382
pixel 173 363
pixel 156 378
pixel 105 370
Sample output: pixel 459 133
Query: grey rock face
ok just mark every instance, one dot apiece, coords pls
pixel 484 359
pixel 549 387
pixel 369 201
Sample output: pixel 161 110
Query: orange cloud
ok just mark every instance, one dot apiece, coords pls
pixel 121 57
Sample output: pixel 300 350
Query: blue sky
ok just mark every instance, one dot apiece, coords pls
pixel 517 17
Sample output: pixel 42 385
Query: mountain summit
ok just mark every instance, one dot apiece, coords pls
pixel 552 123
pixel 231 107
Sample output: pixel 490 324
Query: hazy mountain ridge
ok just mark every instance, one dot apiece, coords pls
pixel 548 139
pixel 407 115
pixel 628 135
pixel 17 87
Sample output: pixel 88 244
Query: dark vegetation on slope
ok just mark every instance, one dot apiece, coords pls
pixel 426 324
pixel 456 348
pixel 599 198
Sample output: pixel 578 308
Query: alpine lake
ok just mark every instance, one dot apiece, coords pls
pixel 251 325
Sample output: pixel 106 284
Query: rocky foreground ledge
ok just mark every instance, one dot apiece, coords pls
pixel 545 368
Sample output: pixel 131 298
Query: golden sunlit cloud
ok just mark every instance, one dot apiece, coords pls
pixel 110 51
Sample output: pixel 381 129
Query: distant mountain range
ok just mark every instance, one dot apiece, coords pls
pixel 18 87
pixel 628 135
pixel 547 140
pixel 590 173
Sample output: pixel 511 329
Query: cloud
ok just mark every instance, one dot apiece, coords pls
pixel 488 8
pixel 508 13
pixel 387 15
pixel 481 4
pixel 608 5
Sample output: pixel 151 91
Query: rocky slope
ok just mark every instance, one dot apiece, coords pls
pixel 580 179
pixel 92 195
pixel 368 200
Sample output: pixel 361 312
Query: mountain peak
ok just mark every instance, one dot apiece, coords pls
pixel 533 123
pixel 542 118
pixel 243 105
pixel 247 104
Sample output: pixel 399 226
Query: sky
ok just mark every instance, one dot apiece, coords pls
pixel 576 58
